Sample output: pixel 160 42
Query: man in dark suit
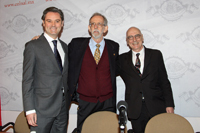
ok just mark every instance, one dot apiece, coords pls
pixel 45 70
pixel 148 90
pixel 92 66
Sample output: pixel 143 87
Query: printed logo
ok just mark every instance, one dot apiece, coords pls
pixel 71 18
pixel 191 38
pixel 176 67
pixel 19 23
pixel 192 96
pixel 6 96
pixel 116 14
pixel 150 39
pixel 15 71
pixel 5 49
pixel 171 10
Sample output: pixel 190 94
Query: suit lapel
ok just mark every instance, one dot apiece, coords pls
pixel 147 58
pixel 82 48
pixel 130 62
pixel 111 53
pixel 111 56
pixel 48 51
pixel 65 67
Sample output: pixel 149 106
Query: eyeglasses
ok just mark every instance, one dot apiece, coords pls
pixel 138 36
pixel 98 24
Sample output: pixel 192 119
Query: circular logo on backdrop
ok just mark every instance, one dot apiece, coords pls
pixel 15 71
pixel 117 14
pixel 71 18
pixel 176 67
pixel 5 95
pixel 4 49
pixel 192 96
pixel 19 23
pixel 170 10
pixel 150 39
pixel 192 37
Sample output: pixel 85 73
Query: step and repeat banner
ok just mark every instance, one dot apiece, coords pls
pixel 172 26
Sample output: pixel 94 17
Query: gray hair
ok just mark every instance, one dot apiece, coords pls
pixel 98 14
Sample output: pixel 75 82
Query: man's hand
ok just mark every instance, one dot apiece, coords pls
pixel 170 110
pixel 35 37
pixel 32 119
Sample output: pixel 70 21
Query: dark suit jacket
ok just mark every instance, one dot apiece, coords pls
pixel 77 48
pixel 154 84
pixel 42 79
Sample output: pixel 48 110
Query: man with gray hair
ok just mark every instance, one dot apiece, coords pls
pixel 92 70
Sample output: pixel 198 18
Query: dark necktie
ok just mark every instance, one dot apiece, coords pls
pixel 138 64
pixel 57 55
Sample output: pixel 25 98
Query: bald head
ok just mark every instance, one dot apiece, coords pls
pixel 133 29
pixel 134 39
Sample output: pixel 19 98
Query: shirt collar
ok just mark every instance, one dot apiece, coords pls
pixel 93 43
pixel 49 39
pixel 141 52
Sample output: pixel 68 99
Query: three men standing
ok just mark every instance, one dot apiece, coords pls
pixel 92 73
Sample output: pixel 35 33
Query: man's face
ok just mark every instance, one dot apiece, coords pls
pixel 134 39
pixel 53 24
pixel 97 27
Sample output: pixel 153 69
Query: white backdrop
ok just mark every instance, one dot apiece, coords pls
pixel 172 26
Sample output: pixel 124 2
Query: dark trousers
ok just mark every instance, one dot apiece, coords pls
pixel 139 124
pixel 56 124
pixel 88 108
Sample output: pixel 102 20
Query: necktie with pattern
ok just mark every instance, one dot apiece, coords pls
pixel 97 54
pixel 57 55
pixel 138 64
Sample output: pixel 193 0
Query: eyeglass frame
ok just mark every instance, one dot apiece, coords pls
pixel 98 24
pixel 138 36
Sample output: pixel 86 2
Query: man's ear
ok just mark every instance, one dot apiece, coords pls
pixel 89 28
pixel 43 23
pixel 62 23
pixel 105 29
pixel 142 38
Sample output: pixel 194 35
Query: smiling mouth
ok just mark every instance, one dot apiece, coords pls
pixel 135 43
pixel 96 32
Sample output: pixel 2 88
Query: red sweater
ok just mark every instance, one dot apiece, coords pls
pixel 94 80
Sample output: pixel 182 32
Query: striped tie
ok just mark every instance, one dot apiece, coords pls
pixel 138 64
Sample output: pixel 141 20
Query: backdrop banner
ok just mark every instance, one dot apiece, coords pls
pixel 171 26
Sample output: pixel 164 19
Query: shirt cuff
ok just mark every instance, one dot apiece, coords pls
pixel 30 112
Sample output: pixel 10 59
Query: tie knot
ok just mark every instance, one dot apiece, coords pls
pixel 54 42
pixel 98 45
pixel 137 54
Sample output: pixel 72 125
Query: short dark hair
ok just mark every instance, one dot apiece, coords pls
pixel 98 14
pixel 52 9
